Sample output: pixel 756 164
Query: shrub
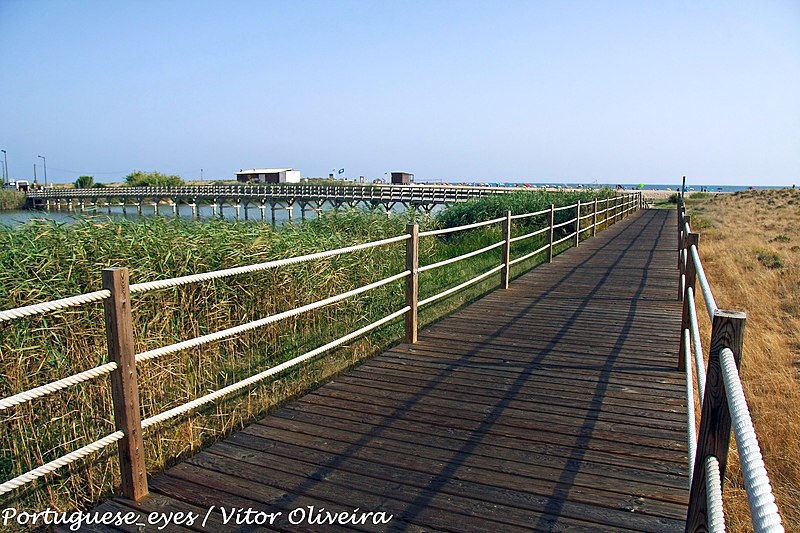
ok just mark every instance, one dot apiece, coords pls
pixel 139 178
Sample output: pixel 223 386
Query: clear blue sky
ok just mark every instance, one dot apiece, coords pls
pixel 552 91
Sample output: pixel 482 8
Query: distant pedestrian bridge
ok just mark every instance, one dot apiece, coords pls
pixel 423 198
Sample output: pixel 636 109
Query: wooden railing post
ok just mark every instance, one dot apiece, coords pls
pixel 681 214
pixel 124 387
pixel 683 259
pixel 577 223
pixel 690 278
pixel 594 219
pixel 506 252
pixel 412 282
pixel 552 223
pixel 727 331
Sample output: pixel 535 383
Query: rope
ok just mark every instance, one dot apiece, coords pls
pixel 570 236
pixel 222 334
pixel 528 256
pixel 194 278
pixel 459 287
pixel 556 226
pixel 460 228
pixel 716 518
pixel 763 510
pixel 698 348
pixel 526 215
pixel 529 235
pixel 50 388
pixel 166 415
pixel 711 303
pixel 691 438
pixel 565 207
pixel 460 257
pixel 54 305
pixel 64 460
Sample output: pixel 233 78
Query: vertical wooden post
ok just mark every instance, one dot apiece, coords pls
pixel 683 259
pixel 124 388
pixel 594 218
pixel 412 282
pixel 727 331
pixel 577 223
pixel 690 278
pixel 552 223
pixel 680 231
pixel 506 252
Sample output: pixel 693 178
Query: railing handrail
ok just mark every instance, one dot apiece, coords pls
pixel 728 407
pixel 120 296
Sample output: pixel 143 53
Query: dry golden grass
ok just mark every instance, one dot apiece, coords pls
pixel 750 247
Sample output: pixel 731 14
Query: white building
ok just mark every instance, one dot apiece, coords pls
pixel 268 175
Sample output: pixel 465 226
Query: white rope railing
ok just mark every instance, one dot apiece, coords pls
pixel 229 332
pixel 460 228
pixel 166 415
pixel 64 460
pixel 528 215
pixel 562 224
pixel 559 241
pixel 194 278
pixel 711 303
pixel 50 388
pixel 459 287
pixel 460 257
pixel 716 518
pixel 54 305
pixel 562 208
pixel 763 510
pixel 528 256
pixel 691 437
pixel 698 348
pixel 529 235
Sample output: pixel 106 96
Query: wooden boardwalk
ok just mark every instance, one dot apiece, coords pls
pixel 554 405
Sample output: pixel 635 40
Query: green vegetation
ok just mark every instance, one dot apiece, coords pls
pixel 768 258
pixel 84 182
pixel 520 202
pixel 11 200
pixel 42 261
pixel 138 178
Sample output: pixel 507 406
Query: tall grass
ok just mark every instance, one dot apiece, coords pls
pixel 43 260
pixel 750 247
pixel 11 200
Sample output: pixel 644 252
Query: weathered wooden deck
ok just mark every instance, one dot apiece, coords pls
pixel 554 405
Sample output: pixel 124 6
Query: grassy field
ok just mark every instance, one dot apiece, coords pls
pixel 42 261
pixel 750 247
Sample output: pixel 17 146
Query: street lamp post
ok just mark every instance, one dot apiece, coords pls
pixel 5 168
pixel 45 169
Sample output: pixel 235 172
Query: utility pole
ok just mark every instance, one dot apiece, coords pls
pixel 5 168
pixel 45 169
pixel 34 172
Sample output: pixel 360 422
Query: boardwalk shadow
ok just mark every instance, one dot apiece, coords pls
pixel 608 253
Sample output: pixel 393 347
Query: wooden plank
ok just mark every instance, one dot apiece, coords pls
pixel 553 405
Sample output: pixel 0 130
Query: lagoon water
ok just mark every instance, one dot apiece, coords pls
pixel 15 218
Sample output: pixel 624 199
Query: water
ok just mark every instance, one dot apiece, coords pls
pixel 15 218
